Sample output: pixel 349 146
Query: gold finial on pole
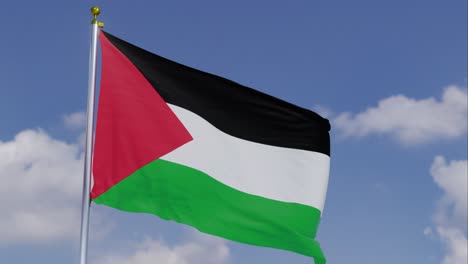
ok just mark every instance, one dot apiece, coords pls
pixel 95 11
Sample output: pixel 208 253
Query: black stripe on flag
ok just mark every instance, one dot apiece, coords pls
pixel 233 108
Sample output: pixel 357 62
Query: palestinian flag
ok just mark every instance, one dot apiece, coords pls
pixel 201 150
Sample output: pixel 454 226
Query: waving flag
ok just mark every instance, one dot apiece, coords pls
pixel 202 150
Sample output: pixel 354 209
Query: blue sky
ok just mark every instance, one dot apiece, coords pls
pixel 390 75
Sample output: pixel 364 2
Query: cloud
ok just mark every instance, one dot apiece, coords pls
pixel 40 188
pixel 75 120
pixel 323 111
pixel 452 178
pixel 450 216
pixel 456 245
pixel 199 249
pixel 410 120
pixel 428 232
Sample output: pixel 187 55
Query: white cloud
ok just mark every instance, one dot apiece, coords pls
pixel 323 111
pixel 75 120
pixel 200 249
pixel 453 179
pixel 410 120
pixel 428 232
pixel 456 245
pixel 40 188
pixel 450 216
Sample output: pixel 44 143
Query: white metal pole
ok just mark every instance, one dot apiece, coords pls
pixel 89 139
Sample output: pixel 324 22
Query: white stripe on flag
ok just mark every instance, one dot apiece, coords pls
pixel 278 173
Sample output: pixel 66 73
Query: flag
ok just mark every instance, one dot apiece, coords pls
pixel 201 150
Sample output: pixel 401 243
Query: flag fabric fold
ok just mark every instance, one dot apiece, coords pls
pixel 202 150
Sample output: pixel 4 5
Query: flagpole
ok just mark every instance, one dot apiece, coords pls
pixel 86 201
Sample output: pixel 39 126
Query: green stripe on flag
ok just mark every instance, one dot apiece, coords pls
pixel 186 195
